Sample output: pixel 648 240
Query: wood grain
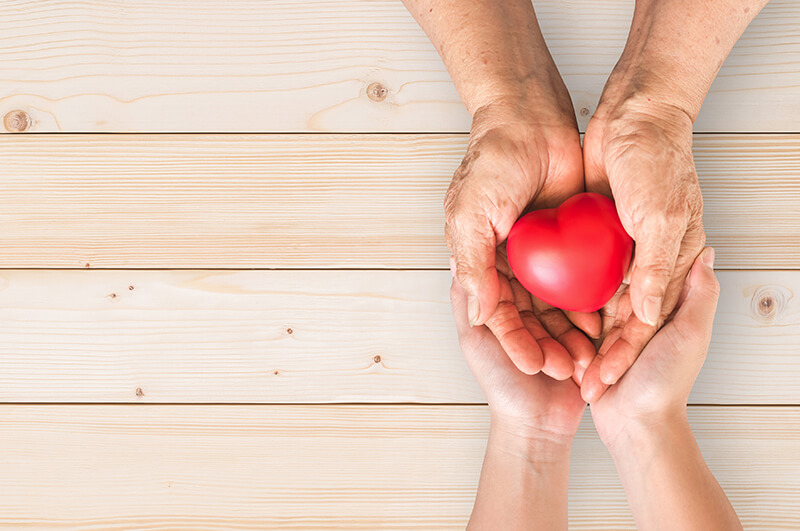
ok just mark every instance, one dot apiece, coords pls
pixel 318 467
pixel 317 201
pixel 281 66
pixel 315 336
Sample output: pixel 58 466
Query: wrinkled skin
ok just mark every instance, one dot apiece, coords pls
pixel 514 161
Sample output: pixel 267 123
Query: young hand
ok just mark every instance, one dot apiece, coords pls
pixel 643 421
pixel 656 388
pixel 534 418
pixel 529 406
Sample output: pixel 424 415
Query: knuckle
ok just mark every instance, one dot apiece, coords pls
pixel 464 270
pixel 656 275
pixel 468 272
pixel 505 320
pixel 547 314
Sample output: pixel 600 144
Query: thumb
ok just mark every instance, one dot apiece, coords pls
pixel 653 265
pixel 474 252
pixel 696 310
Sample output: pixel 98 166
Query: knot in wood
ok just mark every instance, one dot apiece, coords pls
pixel 17 121
pixel 768 303
pixel 377 92
pixel 377 359
pixel 139 392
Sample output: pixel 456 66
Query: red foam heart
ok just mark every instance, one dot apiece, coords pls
pixel 573 257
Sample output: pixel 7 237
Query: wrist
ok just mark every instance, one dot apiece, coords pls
pixel 626 103
pixel 538 96
pixel 646 86
pixel 530 443
pixel 643 435
pixel 531 108
pixel 634 116
pixel 659 65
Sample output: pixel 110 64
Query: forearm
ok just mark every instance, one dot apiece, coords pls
pixel 523 484
pixel 675 49
pixel 666 480
pixel 494 51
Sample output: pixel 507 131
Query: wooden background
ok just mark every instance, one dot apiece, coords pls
pixel 244 323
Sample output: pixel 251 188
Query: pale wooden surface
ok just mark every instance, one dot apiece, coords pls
pixel 260 65
pixel 318 204
pixel 318 201
pixel 334 467
pixel 204 336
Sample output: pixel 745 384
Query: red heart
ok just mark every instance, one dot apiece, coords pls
pixel 573 257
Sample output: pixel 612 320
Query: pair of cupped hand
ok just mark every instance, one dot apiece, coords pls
pixel 638 153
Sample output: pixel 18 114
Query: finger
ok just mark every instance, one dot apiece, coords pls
pixel 472 235
pixel 560 328
pixel 696 312
pixel 474 249
pixel 557 362
pixel 691 247
pixel 592 387
pixel 693 322
pixel 656 252
pixel 590 323
pixel 513 334
pixel 458 301
pixel 624 351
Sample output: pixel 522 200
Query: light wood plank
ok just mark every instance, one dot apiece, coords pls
pixel 315 336
pixel 317 201
pixel 258 65
pixel 317 467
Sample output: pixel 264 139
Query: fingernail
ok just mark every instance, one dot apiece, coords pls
pixel 453 266
pixel 608 378
pixel 473 309
pixel 652 309
pixel 708 257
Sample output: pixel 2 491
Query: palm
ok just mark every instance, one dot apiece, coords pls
pixel 662 377
pixel 640 392
pixel 535 401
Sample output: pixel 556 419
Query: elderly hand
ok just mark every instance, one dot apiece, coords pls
pixel 640 153
pixel 517 156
